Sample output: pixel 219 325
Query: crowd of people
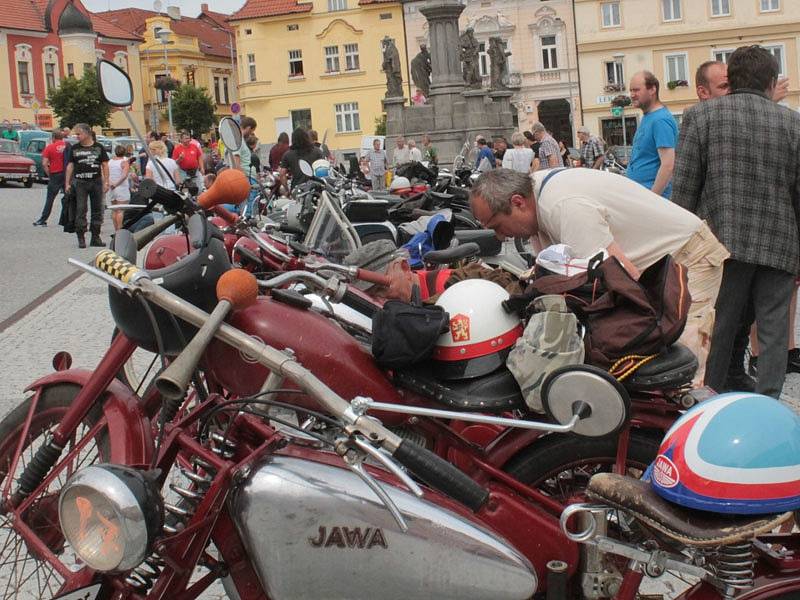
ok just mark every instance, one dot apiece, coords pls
pixel 733 227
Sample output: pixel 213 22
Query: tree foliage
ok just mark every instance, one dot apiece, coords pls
pixel 79 101
pixel 192 109
pixel 380 125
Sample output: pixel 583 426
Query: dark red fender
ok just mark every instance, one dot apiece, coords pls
pixel 321 346
pixel 129 430
pixel 166 250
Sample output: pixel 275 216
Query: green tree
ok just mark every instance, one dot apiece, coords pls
pixel 79 101
pixel 192 109
pixel 380 125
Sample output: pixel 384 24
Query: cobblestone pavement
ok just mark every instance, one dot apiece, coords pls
pixel 75 318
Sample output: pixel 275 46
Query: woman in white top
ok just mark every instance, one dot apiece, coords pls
pixel 518 158
pixel 158 150
pixel 119 191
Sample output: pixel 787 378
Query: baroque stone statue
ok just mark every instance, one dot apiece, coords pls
pixel 469 58
pixel 498 57
pixel 421 70
pixel 391 66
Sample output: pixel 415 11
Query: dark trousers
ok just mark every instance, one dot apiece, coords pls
pixel 771 293
pixel 88 192
pixel 54 185
pixel 741 341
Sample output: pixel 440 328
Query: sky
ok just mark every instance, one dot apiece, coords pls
pixel 189 8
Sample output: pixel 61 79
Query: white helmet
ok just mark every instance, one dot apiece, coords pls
pixel 399 183
pixel 481 332
pixel 321 167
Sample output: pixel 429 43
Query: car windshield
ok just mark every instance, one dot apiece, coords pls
pixel 9 147
pixel 330 233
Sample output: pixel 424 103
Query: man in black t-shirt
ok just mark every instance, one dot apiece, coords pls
pixel 87 173
pixel 301 149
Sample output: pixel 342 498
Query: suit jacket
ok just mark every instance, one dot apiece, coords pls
pixel 738 167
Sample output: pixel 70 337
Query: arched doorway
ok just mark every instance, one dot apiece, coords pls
pixel 554 114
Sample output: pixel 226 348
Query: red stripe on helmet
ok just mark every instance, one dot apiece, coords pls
pixel 478 349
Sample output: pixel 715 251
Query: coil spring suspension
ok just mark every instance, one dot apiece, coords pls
pixel 200 478
pixel 734 567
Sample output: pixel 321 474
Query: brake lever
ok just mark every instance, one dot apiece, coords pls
pixel 355 462
pixel 387 461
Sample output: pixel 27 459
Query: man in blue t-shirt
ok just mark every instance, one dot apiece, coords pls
pixel 484 152
pixel 653 153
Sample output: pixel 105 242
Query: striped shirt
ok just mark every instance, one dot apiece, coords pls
pixel 591 150
pixel 377 162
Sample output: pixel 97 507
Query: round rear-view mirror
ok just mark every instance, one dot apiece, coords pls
pixel 230 133
pixel 601 400
pixel 115 86
pixel 305 168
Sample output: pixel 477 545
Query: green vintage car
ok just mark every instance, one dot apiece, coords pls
pixel 32 142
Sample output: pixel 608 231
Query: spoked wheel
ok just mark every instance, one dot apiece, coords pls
pixel 139 371
pixel 26 572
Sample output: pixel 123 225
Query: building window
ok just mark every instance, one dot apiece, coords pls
pixel 385 16
pixel 161 95
pixel 483 60
pixel 216 90
pixel 248 32
pixel 610 12
pixel 24 78
pixel 722 55
pixel 351 57
pixel 770 5
pixel 549 52
pixel 676 67
pixel 777 52
pixel 347 118
pixel 671 10
pixel 295 63
pixel 70 70
pixel 337 5
pixel 190 77
pixel 225 95
pixel 293 27
pixel 301 118
pixel 251 67
pixel 720 8
pixel 332 59
pixel 50 76
pixel 614 76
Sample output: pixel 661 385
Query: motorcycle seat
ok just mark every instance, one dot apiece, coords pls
pixel 444 197
pixel 689 527
pixel 672 369
pixel 496 392
pixel 452 254
pixel 485 238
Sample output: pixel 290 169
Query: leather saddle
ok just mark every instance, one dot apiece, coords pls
pixel 499 392
pixel 689 527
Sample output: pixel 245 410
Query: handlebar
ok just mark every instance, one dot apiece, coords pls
pixel 438 473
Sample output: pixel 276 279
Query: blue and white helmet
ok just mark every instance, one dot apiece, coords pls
pixel 736 453
pixel 321 167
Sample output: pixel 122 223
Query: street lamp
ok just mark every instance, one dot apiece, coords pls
pixel 562 23
pixel 163 36
pixel 234 74
pixel 618 61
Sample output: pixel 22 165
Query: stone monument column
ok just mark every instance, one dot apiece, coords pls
pixel 442 16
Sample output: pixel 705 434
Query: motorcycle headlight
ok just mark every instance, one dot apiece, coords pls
pixel 32 169
pixel 110 515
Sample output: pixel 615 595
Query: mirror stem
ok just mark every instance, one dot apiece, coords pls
pixel 581 409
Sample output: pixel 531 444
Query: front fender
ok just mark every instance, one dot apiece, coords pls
pixel 130 438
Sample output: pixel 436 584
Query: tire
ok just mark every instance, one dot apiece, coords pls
pixel 29 183
pixel 561 465
pixel 139 370
pixel 20 563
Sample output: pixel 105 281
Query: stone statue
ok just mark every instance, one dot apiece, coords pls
pixel 498 57
pixel 469 58
pixel 421 70
pixel 391 66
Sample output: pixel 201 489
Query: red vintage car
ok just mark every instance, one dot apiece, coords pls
pixel 15 166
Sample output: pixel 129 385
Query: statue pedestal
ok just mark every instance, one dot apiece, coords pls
pixel 476 108
pixel 502 101
pixel 395 123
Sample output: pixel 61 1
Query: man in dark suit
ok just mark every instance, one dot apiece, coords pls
pixel 738 167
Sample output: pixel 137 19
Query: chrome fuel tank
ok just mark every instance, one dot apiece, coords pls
pixel 315 531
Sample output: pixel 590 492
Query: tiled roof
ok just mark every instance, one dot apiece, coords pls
pixel 22 14
pixel 363 2
pixel 211 39
pixel 108 29
pixel 220 19
pixel 270 8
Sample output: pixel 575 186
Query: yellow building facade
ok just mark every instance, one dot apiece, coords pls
pixel 672 38
pixel 317 65
pixel 197 51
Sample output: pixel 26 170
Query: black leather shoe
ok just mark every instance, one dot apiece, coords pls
pixel 81 240
pixel 793 361
pixel 39 223
pixel 96 241
pixel 741 382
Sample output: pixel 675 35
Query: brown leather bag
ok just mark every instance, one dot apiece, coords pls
pixel 623 316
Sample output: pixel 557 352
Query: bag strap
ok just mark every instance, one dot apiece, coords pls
pixel 549 176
